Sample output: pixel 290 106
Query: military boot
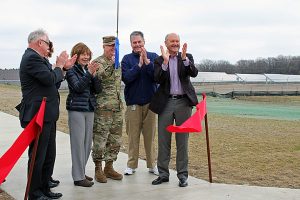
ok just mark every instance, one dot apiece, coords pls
pixel 99 174
pixel 110 172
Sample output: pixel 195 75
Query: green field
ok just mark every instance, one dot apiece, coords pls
pixel 253 109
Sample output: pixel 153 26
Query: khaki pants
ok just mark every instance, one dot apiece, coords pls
pixel 139 119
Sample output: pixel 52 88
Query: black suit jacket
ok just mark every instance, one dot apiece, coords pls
pixel 38 80
pixel 162 77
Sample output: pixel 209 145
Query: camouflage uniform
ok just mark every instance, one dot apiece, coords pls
pixel 108 119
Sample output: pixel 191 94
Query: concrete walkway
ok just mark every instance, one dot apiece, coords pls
pixel 135 187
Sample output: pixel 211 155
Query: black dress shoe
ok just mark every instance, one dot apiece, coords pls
pixel 160 180
pixel 183 182
pixel 42 197
pixel 52 184
pixel 53 195
pixel 54 181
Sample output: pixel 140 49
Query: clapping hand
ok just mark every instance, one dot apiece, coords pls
pixel 113 59
pixel 70 62
pixel 61 59
pixel 92 68
pixel 165 55
pixel 183 52
pixel 143 58
pixel 64 62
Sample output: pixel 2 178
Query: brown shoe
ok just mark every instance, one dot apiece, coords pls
pixel 110 172
pixel 89 178
pixel 84 183
pixel 99 174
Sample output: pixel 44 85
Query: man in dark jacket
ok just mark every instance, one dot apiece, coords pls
pixel 138 76
pixel 173 102
pixel 39 80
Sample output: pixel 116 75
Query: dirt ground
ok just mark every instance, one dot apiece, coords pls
pixel 247 151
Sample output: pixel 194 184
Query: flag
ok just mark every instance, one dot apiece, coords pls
pixel 12 155
pixel 192 124
pixel 117 44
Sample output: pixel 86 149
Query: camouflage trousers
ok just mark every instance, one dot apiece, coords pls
pixel 107 135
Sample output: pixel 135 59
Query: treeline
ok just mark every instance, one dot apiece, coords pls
pixel 271 65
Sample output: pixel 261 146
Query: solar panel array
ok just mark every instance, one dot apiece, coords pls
pixel 213 77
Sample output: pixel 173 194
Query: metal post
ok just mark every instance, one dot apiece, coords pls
pixel 117 18
pixel 33 155
pixel 207 146
pixel 31 165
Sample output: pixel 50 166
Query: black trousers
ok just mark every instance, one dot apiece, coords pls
pixel 44 161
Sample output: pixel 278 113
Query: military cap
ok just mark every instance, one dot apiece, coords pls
pixel 109 40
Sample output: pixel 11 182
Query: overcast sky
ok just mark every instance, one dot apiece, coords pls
pixel 213 29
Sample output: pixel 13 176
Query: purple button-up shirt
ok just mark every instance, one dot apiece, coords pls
pixel 175 83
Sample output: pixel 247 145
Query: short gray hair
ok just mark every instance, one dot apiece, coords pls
pixel 37 34
pixel 171 34
pixel 137 33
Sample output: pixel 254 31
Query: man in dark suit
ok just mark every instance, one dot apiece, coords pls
pixel 173 101
pixel 39 80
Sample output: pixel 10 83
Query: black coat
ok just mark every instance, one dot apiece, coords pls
pixel 82 89
pixel 162 77
pixel 38 80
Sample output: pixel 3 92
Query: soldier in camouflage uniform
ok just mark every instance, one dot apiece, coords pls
pixel 108 115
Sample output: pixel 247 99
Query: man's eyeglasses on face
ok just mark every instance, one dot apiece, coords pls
pixel 48 43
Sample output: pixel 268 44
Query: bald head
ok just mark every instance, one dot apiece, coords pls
pixel 171 35
pixel 172 42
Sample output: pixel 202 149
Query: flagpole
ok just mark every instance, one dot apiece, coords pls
pixel 207 146
pixel 117 18
pixel 31 165
pixel 208 150
pixel 117 40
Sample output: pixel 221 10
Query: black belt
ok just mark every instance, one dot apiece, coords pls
pixel 177 96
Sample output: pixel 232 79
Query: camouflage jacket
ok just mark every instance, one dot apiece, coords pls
pixel 109 98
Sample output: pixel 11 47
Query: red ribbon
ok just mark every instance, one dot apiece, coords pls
pixel 12 155
pixel 192 124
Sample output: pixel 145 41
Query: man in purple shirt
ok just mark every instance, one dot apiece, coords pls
pixel 173 101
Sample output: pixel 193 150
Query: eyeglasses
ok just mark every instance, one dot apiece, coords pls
pixel 48 43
